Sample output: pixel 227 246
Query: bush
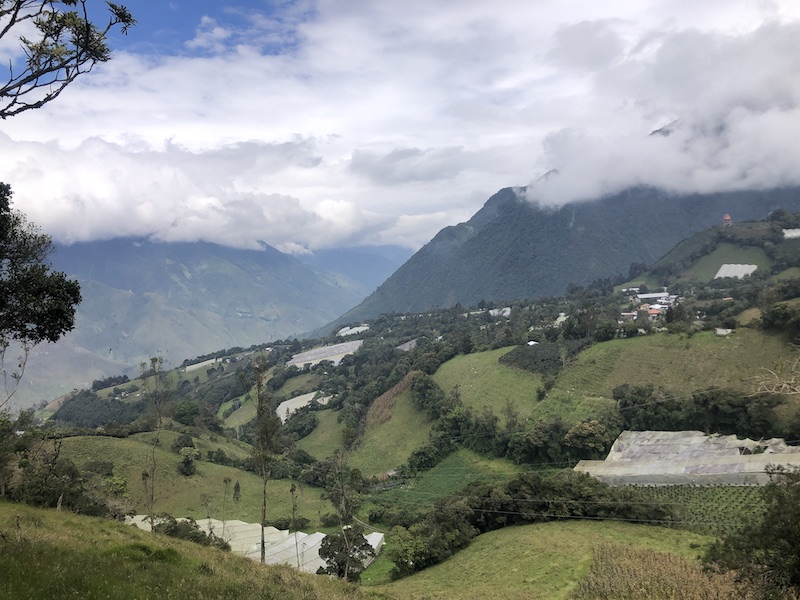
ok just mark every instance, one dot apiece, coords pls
pixel 187 529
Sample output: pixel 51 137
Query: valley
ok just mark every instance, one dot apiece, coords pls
pixel 468 435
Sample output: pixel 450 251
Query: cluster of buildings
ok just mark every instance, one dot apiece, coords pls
pixel 656 304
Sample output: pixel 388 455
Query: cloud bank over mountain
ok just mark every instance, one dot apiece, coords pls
pixel 318 124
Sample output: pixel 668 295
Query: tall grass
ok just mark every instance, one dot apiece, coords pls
pixel 621 572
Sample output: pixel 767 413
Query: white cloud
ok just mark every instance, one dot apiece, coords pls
pixel 326 123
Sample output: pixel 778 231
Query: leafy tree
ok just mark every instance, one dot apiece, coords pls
pixel 37 304
pixel 344 553
pixel 765 551
pixel 59 44
pixel 188 455
pixel 186 412
pixel 589 439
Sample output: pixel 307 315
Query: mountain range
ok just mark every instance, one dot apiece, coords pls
pixel 182 300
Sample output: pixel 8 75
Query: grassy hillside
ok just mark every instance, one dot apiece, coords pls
pixel 386 444
pixel 327 436
pixel 48 554
pixel 583 389
pixel 187 496
pixel 483 381
pixel 678 363
pixel 459 470
pixel 707 266
pixel 542 561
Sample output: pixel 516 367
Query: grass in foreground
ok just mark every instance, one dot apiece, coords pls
pixel 47 554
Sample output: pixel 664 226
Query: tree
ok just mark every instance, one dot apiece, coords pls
pixel 187 467
pixel 345 553
pixel 155 383
pixel 37 304
pixel 237 492
pixel 63 45
pixel 765 551
pixel 266 442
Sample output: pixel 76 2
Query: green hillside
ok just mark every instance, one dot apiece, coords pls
pixel 679 363
pixel 459 470
pixel 187 496
pixel 542 561
pixel 325 438
pixel 484 382
pixel 48 554
pixel 583 389
pixel 705 268
pixel 386 444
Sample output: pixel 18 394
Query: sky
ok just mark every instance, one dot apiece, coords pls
pixel 317 124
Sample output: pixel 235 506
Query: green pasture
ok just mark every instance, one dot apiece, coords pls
pixel 541 561
pixel 196 496
pixel 388 445
pixel 678 363
pixel 484 382
pixel 326 437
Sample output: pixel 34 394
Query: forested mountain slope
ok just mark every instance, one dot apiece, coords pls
pixel 513 248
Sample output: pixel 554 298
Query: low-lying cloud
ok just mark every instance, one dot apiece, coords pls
pixel 325 124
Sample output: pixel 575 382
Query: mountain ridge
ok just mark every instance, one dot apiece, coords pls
pixel 513 248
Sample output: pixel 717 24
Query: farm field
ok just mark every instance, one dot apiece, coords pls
pixel 712 510
pixel 459 470
pixel 726 253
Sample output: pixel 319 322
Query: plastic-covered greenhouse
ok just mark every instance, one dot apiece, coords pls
pixel 689 458
pixel 296 549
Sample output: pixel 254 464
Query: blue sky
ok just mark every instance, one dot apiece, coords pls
pixel 328 123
